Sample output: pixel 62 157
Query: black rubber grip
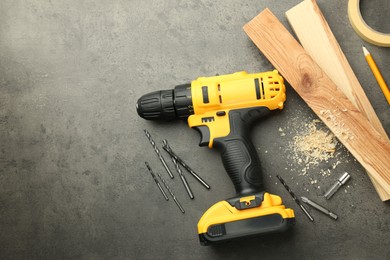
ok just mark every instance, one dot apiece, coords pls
pixel 238 154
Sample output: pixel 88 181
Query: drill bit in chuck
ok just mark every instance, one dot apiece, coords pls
pixel 158 153
pixel 167 187
pixel 319 208
pixel 303 208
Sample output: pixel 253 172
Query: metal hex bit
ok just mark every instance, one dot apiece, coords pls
pixel 158 153
pixel 341 181
pixel 196 176
pixel 295 198
pixel 167 187
pixel 319 208
pixel 182 177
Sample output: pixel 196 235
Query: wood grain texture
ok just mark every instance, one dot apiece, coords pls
pixel 348 124
pixel 316 37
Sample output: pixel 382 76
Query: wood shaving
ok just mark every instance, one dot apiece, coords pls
pixel 314 146
pixel 312 151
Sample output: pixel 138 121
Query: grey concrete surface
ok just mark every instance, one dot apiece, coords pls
pixel 72 178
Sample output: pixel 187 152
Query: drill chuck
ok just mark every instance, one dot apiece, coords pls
pixel 166 105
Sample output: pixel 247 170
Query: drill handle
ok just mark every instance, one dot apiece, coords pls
pixel 238 153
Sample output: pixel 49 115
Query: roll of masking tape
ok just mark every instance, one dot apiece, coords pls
pixel 362 29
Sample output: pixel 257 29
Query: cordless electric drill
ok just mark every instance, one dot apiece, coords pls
pixel 222 109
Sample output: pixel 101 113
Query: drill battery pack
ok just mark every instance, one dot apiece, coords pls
pixel 239 217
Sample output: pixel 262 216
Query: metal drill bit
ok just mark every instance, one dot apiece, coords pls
pixel 158 153
pixel 341 181
pixel 177 158
pixel 295 198
pixel 158 183
pixel 182 177
pixel 319 208
pixel 167 187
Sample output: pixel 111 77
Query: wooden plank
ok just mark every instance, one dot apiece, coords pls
pixel 348 124
pixel 316 37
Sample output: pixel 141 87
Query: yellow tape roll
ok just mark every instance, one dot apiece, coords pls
pixel 362 29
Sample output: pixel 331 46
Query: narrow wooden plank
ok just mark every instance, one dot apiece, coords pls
pixel 316 37
pixel 348 124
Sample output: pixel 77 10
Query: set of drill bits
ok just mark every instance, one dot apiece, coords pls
pixel 178 163
pixel 341 181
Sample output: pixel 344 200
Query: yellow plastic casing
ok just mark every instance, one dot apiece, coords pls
pixel 222 212
pixel 233 91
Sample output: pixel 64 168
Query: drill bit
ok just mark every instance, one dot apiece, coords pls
pixel 167 187
pixel 319 208
pixel 158 153
pixel 341 181
pixel 158 184
pixel 182 177
pixel 295 198
pixel 177 158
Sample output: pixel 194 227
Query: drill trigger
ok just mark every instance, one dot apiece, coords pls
pixel 204 132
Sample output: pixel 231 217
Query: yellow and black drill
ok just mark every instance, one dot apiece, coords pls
pixel 222 109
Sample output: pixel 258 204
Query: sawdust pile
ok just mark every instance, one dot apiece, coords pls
pixel 314 146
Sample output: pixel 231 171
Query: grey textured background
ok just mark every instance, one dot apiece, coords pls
pixel 72 178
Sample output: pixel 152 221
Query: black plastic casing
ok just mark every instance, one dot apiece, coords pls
pixel 239 156
pixel 246 228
